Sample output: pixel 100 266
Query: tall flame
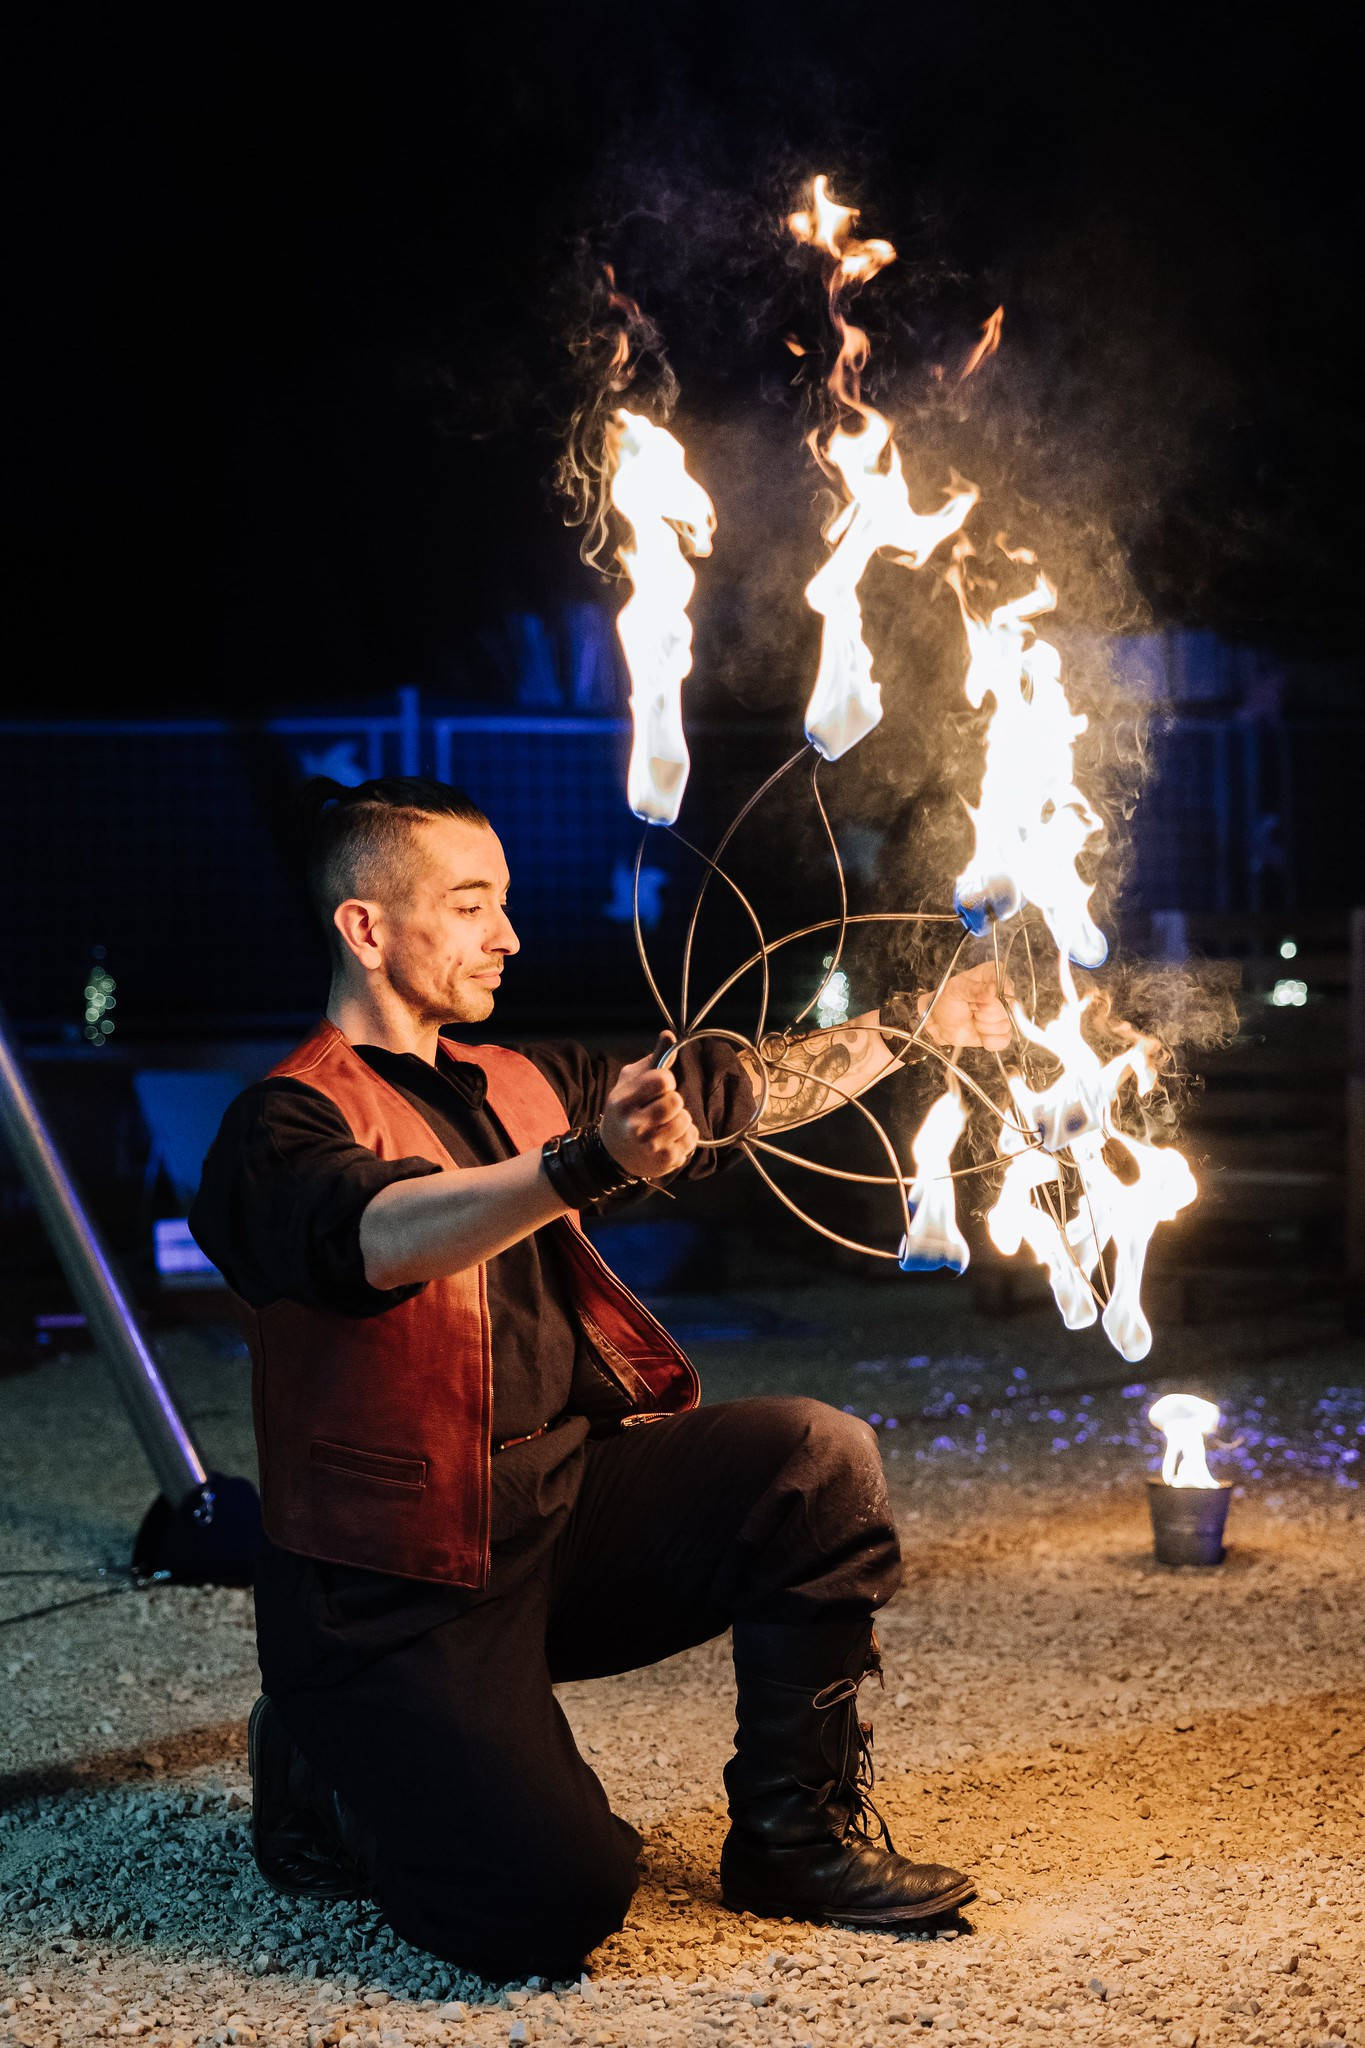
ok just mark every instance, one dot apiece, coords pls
pixel 1081 1191
pixel 934 1238
pixel 1184 1420
pixel 670 518
pixel 1031 821
pixel 1076 1186
pixel 846 702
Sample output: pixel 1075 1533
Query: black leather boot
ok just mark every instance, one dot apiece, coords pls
pixel 306 1841
pixel 801 1840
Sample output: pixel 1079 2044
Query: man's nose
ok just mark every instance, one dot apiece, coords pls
pixel 504 939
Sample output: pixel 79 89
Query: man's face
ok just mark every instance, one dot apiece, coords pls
pixel 446 938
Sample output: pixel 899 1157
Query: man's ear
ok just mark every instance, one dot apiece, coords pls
pixel 358 924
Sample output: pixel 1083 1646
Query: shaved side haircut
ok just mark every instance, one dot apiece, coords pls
pixel 360 840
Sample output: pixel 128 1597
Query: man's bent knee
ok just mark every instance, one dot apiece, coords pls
pixel 839 1450
pixel 792 1425
pixel 821 1537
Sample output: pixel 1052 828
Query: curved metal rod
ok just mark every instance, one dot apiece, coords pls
pixel 763 947
pixel 823 924
pixel 735 1038
pixel 881 1180
pixel 727 836
pixel 916 1037
pixel 838 953
pixel 890 1031
pixel 872 1251
pixel 642 955
pixel 1059 1223
pixel 1094 1231
pixel 852 1101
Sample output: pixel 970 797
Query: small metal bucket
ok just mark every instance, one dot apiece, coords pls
pixel 1188 1521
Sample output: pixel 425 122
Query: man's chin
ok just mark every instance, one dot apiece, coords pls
pixel 475 1002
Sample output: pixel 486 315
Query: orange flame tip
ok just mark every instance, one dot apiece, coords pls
pixel 986 346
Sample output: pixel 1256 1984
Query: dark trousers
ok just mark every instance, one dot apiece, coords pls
pixel 431 1710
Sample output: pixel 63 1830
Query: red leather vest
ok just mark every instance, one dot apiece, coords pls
pixel 373 1432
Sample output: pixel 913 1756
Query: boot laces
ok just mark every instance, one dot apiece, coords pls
pixel 846 1744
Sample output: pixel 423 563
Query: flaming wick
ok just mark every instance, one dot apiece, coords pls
pixel 877 516
pixel 670 518
pixel 1075 1185
pixel 1184 1420
pixel 933 1238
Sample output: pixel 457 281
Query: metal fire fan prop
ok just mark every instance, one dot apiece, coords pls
pixel 1081 1191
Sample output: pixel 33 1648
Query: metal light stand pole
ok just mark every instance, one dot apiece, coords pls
pixel 1355 1136
pixel 202 1528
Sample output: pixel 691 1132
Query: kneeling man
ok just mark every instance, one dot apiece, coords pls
pixel 462 1505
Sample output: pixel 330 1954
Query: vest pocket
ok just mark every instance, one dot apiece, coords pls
pixel 408 1473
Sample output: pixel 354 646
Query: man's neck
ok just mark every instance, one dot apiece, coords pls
pixel 375 1016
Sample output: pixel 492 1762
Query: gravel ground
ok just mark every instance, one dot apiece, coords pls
pixel 1158 1777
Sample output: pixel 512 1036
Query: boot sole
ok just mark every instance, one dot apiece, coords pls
pixel 893 1916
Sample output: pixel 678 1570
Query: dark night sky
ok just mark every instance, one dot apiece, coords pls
pixel 293 286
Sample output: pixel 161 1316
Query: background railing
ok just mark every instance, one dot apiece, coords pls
pixel 167 842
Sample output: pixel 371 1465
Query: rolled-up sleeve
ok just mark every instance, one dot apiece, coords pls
pixel 279 1206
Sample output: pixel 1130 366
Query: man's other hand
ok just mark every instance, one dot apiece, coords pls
pixel 970 1010
pixel 645 1125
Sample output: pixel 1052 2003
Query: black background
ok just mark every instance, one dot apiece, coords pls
pixel 293 289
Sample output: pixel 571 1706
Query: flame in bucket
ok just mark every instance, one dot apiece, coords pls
pixel 1184 1420
pixel 877 516
pixel 670 518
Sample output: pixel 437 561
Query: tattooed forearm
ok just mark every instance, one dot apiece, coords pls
pixel 810 1076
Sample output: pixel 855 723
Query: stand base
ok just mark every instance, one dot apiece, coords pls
pixel 210 1539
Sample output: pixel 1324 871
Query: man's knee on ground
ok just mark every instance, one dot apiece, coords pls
pixel 517 1913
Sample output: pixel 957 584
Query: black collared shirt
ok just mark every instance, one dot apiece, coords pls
pixel 285 1185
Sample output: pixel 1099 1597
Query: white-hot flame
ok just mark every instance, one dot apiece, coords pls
pixel 1119 1188
pixel 1184 1420
pixel 1017 1219
pixel 1031 821
pixel 1078 1101
pixel 1126 1213
pixel 670 518
pixel 877 516
pixel 934 1238
pixel 846 702
pixel 1075 1185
